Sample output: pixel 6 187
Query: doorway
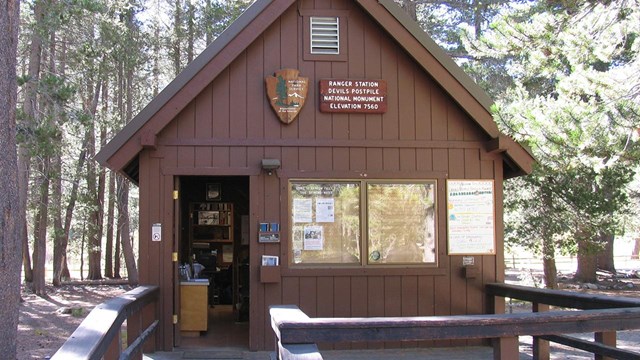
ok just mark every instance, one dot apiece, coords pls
pixel 213 257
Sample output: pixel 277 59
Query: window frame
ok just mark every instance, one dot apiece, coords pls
pixel 364 262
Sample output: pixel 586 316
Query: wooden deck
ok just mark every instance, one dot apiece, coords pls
pixel 459 353
pixel 478 353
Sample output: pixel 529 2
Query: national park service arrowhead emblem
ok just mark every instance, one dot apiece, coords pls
pixel 287 93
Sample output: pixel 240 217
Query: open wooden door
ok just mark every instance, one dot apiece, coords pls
pixel 177 219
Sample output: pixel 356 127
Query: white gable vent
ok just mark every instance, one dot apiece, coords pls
pixel 325 38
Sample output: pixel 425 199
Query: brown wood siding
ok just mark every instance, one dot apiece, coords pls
pixel 229 127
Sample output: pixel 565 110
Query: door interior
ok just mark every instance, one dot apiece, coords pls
pixel 213 262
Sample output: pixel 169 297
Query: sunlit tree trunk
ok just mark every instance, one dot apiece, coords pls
pixel 548 246
pixel 176 51
pixel 117 254
pixel 56 216
pixel 73 197
pixel 635 254
pixel 586 271
pixel 108 259
pixel 59 242
pixel 549 263
pixel 410 7
pixel 94 224
pixel 27 126
pixel 605 260
pixel 123 226
pixel 40 229
pixel 191 29
pixel 123 209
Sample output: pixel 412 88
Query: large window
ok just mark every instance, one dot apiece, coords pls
pixel 401 223
pixel 325 220
pixel 363 222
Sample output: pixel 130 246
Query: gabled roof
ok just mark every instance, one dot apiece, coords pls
pixel 122 151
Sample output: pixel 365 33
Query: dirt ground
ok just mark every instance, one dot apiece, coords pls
pixel 45 324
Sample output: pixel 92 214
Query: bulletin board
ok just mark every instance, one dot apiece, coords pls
pixel 470 217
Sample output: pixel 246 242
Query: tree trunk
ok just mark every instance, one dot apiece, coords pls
pixel 123 207
pixel 84 231
pixel 117 255
pixel 59 247
pixel 208 29
pixel 29 109
pixel 108 248
pixel 549 263
pixel 586 271
pixel 636 249
pixel 123 225
pixel 40 231
pixel 94 228
pixel 56 215
pixel 12 221
pixel 410 7
pixel 73 197
pixel 191 22
pixel 548 245
pixel 178 34
pixel 605 259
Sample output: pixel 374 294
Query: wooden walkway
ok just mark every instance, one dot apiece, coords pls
pixel 460 353
pixel 476 353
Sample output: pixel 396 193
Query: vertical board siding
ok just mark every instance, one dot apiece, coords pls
pixel 186 130
pixel 392 302
pixel 375 302
pixel 409 300
pixel 255 89
pixel 234 107
pixel 204 126
pixel 238 98
pixel 257 304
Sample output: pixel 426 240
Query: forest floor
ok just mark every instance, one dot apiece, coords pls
pixel 45 324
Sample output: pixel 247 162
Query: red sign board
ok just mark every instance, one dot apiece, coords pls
pixel 353 96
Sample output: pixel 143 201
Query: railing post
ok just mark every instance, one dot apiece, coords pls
pixel 540 347
pixel 148 314
pixel 114 349
pixel 506 348
pixel 134 328
pixel 605 338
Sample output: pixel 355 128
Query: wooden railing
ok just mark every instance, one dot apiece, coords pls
pixel 605 340
pixel 297 334
pixel 98 336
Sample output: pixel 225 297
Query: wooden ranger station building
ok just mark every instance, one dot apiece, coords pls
pixel 321 153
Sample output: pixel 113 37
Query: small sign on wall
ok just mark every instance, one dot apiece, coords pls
pixel 156 232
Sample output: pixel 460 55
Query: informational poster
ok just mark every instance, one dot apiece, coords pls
pixel 471 217
pixel 325 210
pixel 302 211
pixel 313 238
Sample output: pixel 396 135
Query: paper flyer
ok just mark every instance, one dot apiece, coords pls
pixel 325 210
pixel 313 238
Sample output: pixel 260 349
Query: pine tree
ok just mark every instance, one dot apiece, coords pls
pixel 12 220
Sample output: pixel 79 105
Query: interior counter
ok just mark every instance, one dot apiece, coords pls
pixel 194 305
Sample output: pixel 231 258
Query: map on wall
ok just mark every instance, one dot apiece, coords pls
pixel 470 217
